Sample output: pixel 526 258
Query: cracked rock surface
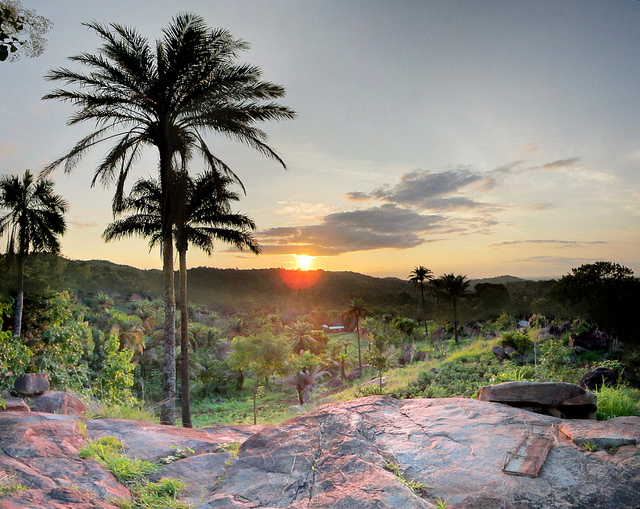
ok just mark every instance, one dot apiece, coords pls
pixel 373 452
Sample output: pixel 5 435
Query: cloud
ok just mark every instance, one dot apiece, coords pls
pixel 561 163
pixel 551 260
pixel 387 226
pixel 304 211
pixel 81 226
pixel 552 242
pixel 426 190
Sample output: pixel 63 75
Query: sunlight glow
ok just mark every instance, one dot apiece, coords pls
pixel 304 261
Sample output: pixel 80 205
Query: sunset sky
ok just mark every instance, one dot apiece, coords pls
pixel 475 137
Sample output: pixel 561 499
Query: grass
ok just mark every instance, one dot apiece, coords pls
pixel 617 402
pixel 417 487
pixel 162 494
pixel 106 451
pixel 99 410
pixel 8 484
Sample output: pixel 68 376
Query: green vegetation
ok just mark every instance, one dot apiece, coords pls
pixel 418 488
pixel 267 366
pixel 617 402
pixel 161 494
pixel 106 450
pixel 9 485
pixel 589 446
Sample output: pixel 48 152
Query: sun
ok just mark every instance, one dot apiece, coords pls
pixel 304 261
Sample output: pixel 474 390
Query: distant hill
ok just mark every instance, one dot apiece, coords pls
pixel 251 288
pixel 497 280
pixel 238 289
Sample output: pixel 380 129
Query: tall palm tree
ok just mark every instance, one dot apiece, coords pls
pixel 454 288
pixel 419 278
pixel 357 310
pixel 166 96
pixel 205 215
pixel 34 221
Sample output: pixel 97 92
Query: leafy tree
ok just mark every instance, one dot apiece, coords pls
pixel 357 310
pixel 15 356
pixel 205 216
pixel 167 98
pixel 384 338
pixel 263 354
pixel 606 293
pixel 21 28
pixel 453 288
pixel 490 299
pixel 34 221
pixel 419 277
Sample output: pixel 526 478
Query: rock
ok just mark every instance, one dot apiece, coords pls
pixel 420 356
pixel 590 341
pixel 31 384
pixel 595 378
pixel 12 404
pixel 499 352
pixel 408 352
pixel 41 452
pixel 510 352
pixel 54 402
pixel 337 457
pixel 551 398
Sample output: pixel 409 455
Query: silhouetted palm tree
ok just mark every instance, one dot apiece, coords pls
pixel 453 288
pixel 33 223
pixel 166 96
pixel 205 216
pixel 357 309
pixel 419 278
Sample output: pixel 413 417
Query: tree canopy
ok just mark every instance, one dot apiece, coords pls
pixel 21 31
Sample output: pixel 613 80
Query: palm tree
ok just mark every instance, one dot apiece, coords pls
pixel 204 216
pixel 34 222
pixel 419 278
pixel 453 289
pixel 357 309
pixel 300 335
pixel 166 96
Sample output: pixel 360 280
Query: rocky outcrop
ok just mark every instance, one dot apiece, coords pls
pixel 55 402
pixel 559 399
pixel 31 384
pixel 372 452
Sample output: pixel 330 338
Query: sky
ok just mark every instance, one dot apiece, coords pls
pixel 476 137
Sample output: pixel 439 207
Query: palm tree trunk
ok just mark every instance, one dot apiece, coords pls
pixel 185 397
pixel 17 329
pixel 424 314
pixel 359 348
pixel 167 407
pixel 455 320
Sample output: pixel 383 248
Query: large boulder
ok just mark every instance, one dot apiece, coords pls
pixel 590 340
pixel 12 404
pixel 598 377
pixel 559 399
pixel 54 402
pixel 31 384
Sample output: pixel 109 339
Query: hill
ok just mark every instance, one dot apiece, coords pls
pixel 239 289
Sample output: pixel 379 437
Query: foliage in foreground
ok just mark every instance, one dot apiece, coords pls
pixel 146 494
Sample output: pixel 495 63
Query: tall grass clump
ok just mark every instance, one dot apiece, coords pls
pixel 617 402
